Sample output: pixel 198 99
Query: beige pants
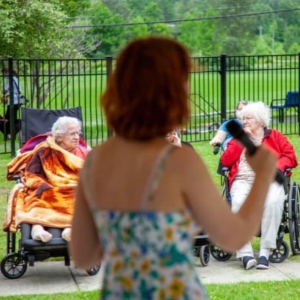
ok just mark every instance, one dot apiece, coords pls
pixel 271 216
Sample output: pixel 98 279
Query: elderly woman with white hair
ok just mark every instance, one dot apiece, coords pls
pixel 49 174
pixel 255 120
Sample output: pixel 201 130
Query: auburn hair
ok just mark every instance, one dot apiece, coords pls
pixel 147 94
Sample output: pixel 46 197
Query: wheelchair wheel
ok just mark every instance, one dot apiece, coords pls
pixel 219 254
pixel 280 253
pixel 204 255
pixel 94 270
pixel 13 266
pixel 294 224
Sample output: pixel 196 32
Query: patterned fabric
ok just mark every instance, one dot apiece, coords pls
pixel 49 176
pixel 149 255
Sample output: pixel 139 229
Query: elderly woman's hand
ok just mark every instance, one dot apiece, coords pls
pixel 173 138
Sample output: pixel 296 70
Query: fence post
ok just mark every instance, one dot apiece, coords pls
pixel 109 69
pixel 223 87
pixel 10 107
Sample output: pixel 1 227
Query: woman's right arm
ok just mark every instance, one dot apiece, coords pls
pixel 226 229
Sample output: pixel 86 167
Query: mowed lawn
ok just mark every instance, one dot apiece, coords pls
pixel 262 290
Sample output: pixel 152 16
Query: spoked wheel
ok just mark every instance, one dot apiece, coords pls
pixel 13 266
pixel 280 253
pixel 94 270
pixel 204 255
pixel 219 254
pixel 294 224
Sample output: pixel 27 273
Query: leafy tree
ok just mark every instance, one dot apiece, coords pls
pixel 261 47
pixel 234 35
pixel 110 38
pixel 137 6
pixel 295 48
pixel 31 28
pixel 74 8
pixel 291 36
pixel 137 30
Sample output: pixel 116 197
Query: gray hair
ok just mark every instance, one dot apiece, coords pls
pixel 260 111
pixel 60 127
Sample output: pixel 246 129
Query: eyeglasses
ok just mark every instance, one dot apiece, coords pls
pixel 74 134
pixel 247 119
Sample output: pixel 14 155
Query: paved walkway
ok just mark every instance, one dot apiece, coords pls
pixel 55 277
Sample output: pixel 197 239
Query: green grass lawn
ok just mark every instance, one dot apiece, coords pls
pixel 250 290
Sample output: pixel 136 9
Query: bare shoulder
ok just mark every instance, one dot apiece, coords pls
pixel 187 159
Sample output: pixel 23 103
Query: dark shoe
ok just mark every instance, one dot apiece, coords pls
pixel 248 262
pixel 262 263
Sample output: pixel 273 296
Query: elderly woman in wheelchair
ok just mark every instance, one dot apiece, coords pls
pixel 48 177
pixel 255 120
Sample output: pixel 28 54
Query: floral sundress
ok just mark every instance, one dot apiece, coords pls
pixel 148 255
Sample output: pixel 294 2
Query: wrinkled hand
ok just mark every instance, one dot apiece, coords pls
pixel 174 139
pixel 215 141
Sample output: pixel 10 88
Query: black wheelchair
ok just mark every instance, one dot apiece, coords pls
pixel 290 222
pixel 14 263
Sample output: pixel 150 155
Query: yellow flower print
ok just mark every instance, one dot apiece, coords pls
pixel 117 267
pixel 132 264
pixel 145 266
pixel 176 288
pixel 114 252
pixel 135 254
pixel 127 283
pixel 169 234
pixel 162 295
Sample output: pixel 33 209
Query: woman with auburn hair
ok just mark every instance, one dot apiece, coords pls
pixel 141 200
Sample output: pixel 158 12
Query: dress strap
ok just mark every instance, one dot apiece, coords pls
pixel 156 175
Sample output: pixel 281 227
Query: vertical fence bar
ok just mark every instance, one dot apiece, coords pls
pixel 109 69
pixel 223 87
pixel 11 106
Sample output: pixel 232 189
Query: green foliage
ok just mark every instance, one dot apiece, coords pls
pixel 139 30
pixel 65 28
pixel 31 29
pixel 110 38
pixel 261 47
pixel 295 48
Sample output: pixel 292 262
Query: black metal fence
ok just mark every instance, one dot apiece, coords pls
pixel 216 83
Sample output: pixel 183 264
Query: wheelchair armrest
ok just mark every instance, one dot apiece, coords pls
pixel 224 171
pixel 277 103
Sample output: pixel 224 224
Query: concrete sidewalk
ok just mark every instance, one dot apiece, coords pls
pixel 55 277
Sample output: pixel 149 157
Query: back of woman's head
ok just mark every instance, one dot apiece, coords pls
pixel 147 93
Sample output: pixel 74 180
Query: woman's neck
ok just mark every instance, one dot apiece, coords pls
pixel 258 133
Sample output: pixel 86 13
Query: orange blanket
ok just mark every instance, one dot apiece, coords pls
pixel 49 176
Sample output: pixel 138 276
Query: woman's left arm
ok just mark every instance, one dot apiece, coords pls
pixel 287 156
pixel 85 248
